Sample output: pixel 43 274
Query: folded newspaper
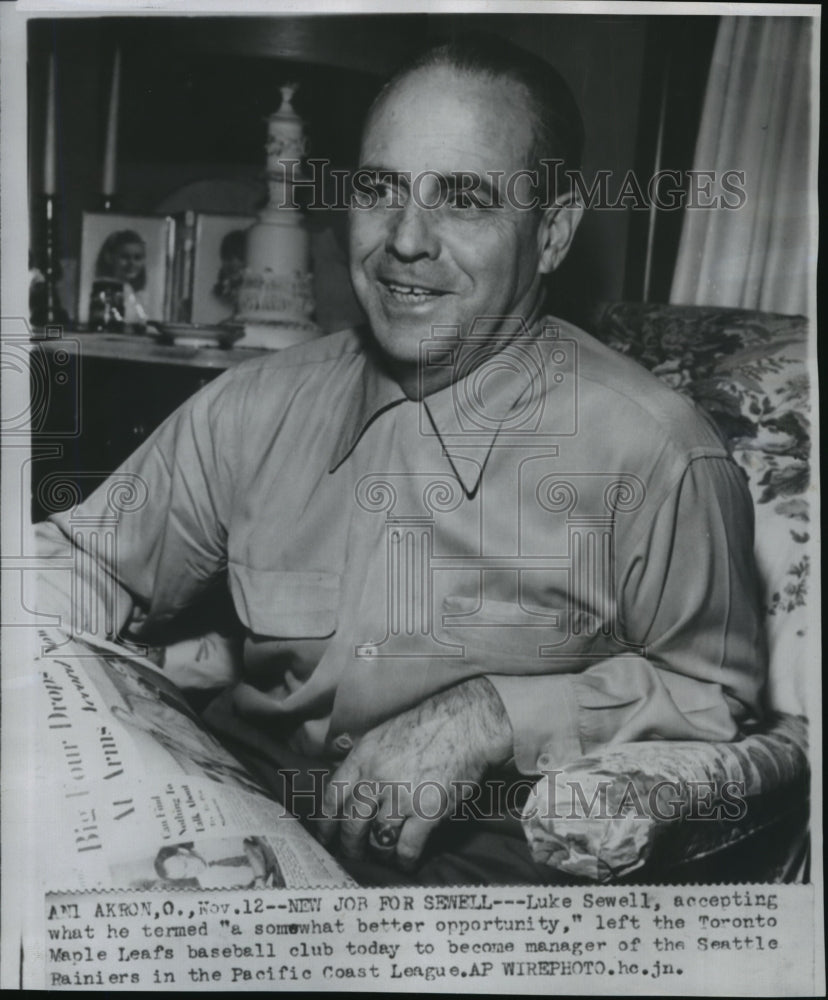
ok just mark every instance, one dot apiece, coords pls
pixel 134 793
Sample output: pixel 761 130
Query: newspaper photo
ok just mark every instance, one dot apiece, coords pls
pixel 410 499
pixel 125 762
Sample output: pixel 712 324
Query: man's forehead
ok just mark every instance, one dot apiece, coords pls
pixel 444 119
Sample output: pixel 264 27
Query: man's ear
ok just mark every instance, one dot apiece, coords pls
pixel 556 231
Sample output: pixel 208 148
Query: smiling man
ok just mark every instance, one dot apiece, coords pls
pixel 469 535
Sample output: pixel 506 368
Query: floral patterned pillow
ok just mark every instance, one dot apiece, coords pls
pixel 749 371
pixel 647 796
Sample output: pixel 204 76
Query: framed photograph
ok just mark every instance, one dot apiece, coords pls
pixel 218 263
pixel 132 250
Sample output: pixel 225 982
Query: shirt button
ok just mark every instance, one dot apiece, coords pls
pixel 343 742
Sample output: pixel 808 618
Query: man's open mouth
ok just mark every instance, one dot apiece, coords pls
pixel 411 294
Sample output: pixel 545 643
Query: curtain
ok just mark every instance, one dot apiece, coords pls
pixel 757 119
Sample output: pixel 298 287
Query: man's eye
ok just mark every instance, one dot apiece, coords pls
pixel 387 192
pixel 376 186
pixel 374 191
pixel 465 201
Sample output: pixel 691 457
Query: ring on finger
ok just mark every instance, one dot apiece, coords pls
pixel 385 835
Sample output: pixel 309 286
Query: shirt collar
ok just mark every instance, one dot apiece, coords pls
pixel 373 392
pixel 467 416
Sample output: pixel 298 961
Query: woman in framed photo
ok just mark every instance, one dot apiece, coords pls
pixel 123 255
pixel 123 258
pixel 124 270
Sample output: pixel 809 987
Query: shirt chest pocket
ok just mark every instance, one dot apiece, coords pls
pixel 285 604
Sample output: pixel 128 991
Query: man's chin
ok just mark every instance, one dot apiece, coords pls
pixel 404 342
pixel 400 352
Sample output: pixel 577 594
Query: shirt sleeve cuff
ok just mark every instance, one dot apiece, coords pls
pixel 544 714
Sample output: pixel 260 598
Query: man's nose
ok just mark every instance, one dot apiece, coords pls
pixel 412 233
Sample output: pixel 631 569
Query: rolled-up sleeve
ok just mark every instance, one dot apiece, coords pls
pixel 688 596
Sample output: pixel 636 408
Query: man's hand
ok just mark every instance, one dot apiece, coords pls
pixel 401 778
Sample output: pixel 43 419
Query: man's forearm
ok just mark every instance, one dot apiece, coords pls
pixel 482 713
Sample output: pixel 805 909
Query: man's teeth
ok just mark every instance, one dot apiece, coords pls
pixel 411 292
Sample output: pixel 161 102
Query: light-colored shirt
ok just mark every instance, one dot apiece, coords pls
pixel 555 520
